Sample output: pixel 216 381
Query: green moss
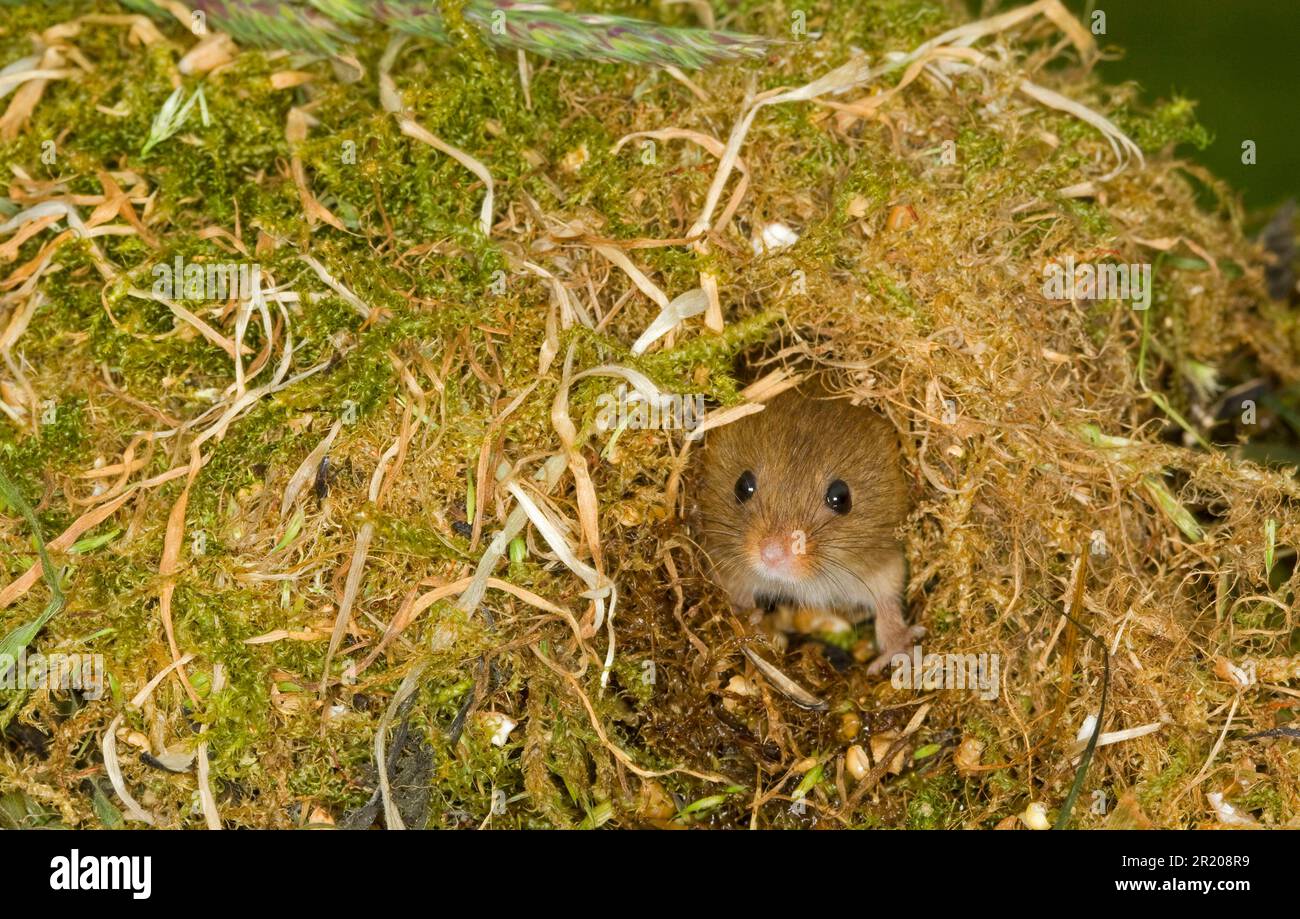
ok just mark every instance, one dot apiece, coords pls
pixel 1090 217
pixel 894 25
pixel 1157 783
pixel 1266 801
pixel 933 802
pixel 18 811
pixel 674 369
pixel 896 297
pixel 1168 124
pixel 979 150
pixel 61 442
pixel 396 536
pixel 1001 780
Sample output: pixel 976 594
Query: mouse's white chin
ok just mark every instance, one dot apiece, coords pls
pixel 777 576
pixel 804 591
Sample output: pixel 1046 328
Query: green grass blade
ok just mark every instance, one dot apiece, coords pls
pixel 13 643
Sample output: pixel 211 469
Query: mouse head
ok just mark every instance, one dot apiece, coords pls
pixel 799 501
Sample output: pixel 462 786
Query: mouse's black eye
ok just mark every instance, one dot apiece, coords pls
pixel 838 498
pixel 745 486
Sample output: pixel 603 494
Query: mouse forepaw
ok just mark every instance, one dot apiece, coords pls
pixel 893 642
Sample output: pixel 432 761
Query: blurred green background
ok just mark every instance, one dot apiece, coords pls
pixel 1238 59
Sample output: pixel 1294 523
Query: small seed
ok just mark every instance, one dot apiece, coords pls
pixel 804 765
pixel 967 757
pixel 500 725
pixel 575 159
pixel 850 724
pixel 880 744
pixel 741 686
pixel 654 802
pixel 900 217
pixel 1035 816
pixel 320 817
pixel 856 762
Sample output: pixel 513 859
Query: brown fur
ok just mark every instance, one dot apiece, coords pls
pixel 852 563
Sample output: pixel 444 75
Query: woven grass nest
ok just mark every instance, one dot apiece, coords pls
pixel 367 516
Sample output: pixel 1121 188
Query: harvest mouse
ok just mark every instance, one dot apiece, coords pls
pixel 798 505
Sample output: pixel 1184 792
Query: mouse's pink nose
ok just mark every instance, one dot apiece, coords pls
pixel 773 552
